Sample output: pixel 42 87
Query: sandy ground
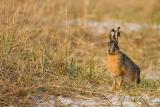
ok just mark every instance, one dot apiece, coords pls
pixel 110 101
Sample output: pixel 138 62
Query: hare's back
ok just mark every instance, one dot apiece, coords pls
pixel 128 64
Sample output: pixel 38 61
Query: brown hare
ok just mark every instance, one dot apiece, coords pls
pixel 119 65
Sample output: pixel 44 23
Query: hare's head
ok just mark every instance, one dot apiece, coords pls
pixel 113 47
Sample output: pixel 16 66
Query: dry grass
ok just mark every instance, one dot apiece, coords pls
pixel 40 55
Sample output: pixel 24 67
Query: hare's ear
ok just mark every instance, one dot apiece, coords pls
pixel 117 34
pixel 118 28
pixel 111 35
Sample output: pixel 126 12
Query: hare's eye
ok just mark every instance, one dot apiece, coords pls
pixel 115 45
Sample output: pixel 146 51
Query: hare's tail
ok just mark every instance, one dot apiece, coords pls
pixel 138 77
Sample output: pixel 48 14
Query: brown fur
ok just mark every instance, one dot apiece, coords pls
pixel 113 64
pixel 122 68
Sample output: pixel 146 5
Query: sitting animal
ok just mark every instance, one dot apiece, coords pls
pixel 119 65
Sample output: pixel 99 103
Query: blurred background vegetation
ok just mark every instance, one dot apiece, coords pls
pixel 39 51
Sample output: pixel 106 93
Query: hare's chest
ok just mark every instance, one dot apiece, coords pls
pixel 113 65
